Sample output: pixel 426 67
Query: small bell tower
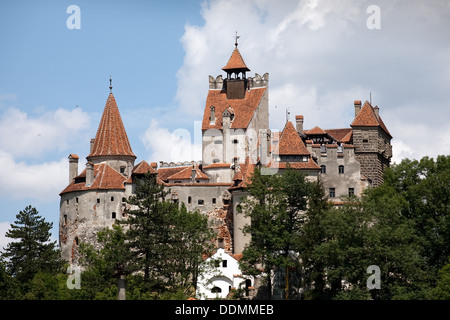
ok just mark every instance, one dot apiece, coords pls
pixel 236 82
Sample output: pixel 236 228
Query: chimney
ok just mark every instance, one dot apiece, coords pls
pixel 73 166
pixel 89 173
pixel 299 123
pixel 92 145
pixel 377 112
pixel 357 104
pixel 193 172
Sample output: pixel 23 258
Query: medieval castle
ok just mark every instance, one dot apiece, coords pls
pixel 235 138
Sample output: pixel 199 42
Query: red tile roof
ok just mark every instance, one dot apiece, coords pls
pixel 235 62
pixel 186 173
pixel 143 167
pixel 290 142
pixel 339 134
pixel 310 165
pixel 315 130
pixel 165 172
pixel 244 109
pixel 367 118
pixel 111 138
pixel 243 176
pixel 105 178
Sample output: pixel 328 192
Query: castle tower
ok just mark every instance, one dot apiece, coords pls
pixel 372 142
pixel 94 199
pixel 236 110
pixel 111 144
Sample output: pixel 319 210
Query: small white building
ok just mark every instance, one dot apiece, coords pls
pixel 221 276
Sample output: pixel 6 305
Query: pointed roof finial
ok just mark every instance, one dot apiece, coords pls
pixel 110 84
pixel 236 39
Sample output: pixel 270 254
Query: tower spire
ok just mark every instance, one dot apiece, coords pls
pixel 110 84
pixel 236 39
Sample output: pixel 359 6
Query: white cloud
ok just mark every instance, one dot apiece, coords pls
pixel 41 181
pixel 321 57
pixel 175 146
pixel 4 227
pixel 25 136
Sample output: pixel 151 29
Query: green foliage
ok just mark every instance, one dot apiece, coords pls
pixel 442 289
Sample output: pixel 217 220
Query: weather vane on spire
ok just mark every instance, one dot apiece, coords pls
pixel 110 84
pixel 236 37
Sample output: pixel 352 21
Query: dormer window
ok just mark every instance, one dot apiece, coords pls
pixel 212 115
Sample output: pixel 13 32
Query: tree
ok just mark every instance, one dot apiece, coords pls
pixel 33 252
pixel 165 240
pixel 191 238
pixel 313 235
pixel 148 226
pixel 275 205
pixel 442 289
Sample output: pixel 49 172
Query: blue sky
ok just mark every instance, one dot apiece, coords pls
pixel 320 54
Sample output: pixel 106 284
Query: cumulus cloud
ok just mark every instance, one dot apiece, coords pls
pixel 321 56
pixel 42 181
pixel 4 227
pixel 25 136
pixel 178 145
pixel 26 140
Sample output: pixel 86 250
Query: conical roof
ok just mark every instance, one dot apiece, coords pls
pixel 111 138
pixel 236 62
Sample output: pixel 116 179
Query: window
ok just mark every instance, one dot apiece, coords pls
pixel 213 200
pixel 67 202
pixel 113 215
pixel 235 141
pixel 332 192
pixel 224 263
pixel 98 200
pixel 323 149
pixel 201 202
pixel 65 219
pixel 351 192
pixel 341 169
pixel 76 199
pixel 216 290
pixel 76 241
pixel 189 199
pixel 323 169
pixel 122 170
pixel 124 199
pixel 112 198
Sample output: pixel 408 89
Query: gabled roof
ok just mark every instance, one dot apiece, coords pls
pixel 290 142
pixel 244 109
pixel 105 178
pixel 236 62
pixel 366 117
pixel 143 167
pixel 315 131
pixel 111 138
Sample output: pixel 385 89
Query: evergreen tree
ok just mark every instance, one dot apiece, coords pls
pixel 147 228
pixel 33 251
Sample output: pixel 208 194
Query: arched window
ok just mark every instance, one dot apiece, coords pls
pixel 323 169
pixel 216 290
pixel 341 169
